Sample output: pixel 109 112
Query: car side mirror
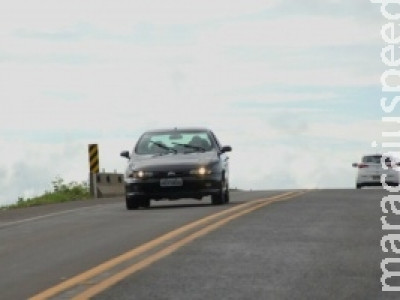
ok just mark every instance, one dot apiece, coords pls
pixel 226 149
pixel 125 154
pixel 355 165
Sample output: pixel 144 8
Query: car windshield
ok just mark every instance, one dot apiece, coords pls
pixel 174 142
pixel 375 159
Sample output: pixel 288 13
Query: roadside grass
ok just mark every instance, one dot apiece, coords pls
pixel 61 192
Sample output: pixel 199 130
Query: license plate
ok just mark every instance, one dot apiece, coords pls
pixel 376 177
pixel 165 182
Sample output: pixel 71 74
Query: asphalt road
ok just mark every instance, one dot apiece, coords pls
pixel 323 244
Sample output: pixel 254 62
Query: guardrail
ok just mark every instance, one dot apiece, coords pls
pixel 106 185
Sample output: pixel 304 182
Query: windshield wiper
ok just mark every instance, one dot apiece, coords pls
pixel 190 146
pixel 162 146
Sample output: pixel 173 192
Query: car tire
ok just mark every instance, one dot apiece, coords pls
pixel 358 186
pixel 145 203
pixel 227 196
pixel 222 196
pixel 132 203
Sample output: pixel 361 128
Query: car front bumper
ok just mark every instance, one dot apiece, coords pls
pixel 375 180
pixel 192 187
pixel 377 183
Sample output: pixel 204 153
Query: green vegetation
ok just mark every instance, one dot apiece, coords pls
pixel 61 192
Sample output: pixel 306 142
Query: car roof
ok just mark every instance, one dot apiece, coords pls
pixel 379 154
pixel 180 129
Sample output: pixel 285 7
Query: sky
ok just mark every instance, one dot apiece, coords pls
pixel 293 86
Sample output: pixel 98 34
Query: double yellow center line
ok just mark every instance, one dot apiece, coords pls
pixel 105 275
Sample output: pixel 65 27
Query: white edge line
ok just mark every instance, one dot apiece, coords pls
pixel 47 216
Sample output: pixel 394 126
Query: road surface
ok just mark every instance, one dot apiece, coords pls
pixel 318 244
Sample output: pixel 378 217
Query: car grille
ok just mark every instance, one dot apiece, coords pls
pixel 170 174
pixel 188 186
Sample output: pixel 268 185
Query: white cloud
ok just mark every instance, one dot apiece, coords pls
pixel 361 131
pixel 294 32
pixel 119 15
pixel 30 167
pixel 280 166
pixel 75 72
pixel 264 157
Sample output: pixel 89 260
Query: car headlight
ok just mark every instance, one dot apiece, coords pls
pixel 140 174
pixel 201 171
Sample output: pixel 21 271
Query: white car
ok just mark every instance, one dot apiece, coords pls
pixel 370 171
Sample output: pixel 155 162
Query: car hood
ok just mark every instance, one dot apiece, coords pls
pixel 161 162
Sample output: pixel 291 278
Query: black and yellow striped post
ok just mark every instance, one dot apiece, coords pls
pixel 94 158
pixel 94 168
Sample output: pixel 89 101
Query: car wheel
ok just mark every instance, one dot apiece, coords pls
pixel 145 203
pixel 221 197
pixel 227 197
pixel 359 186
pixel 132 203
